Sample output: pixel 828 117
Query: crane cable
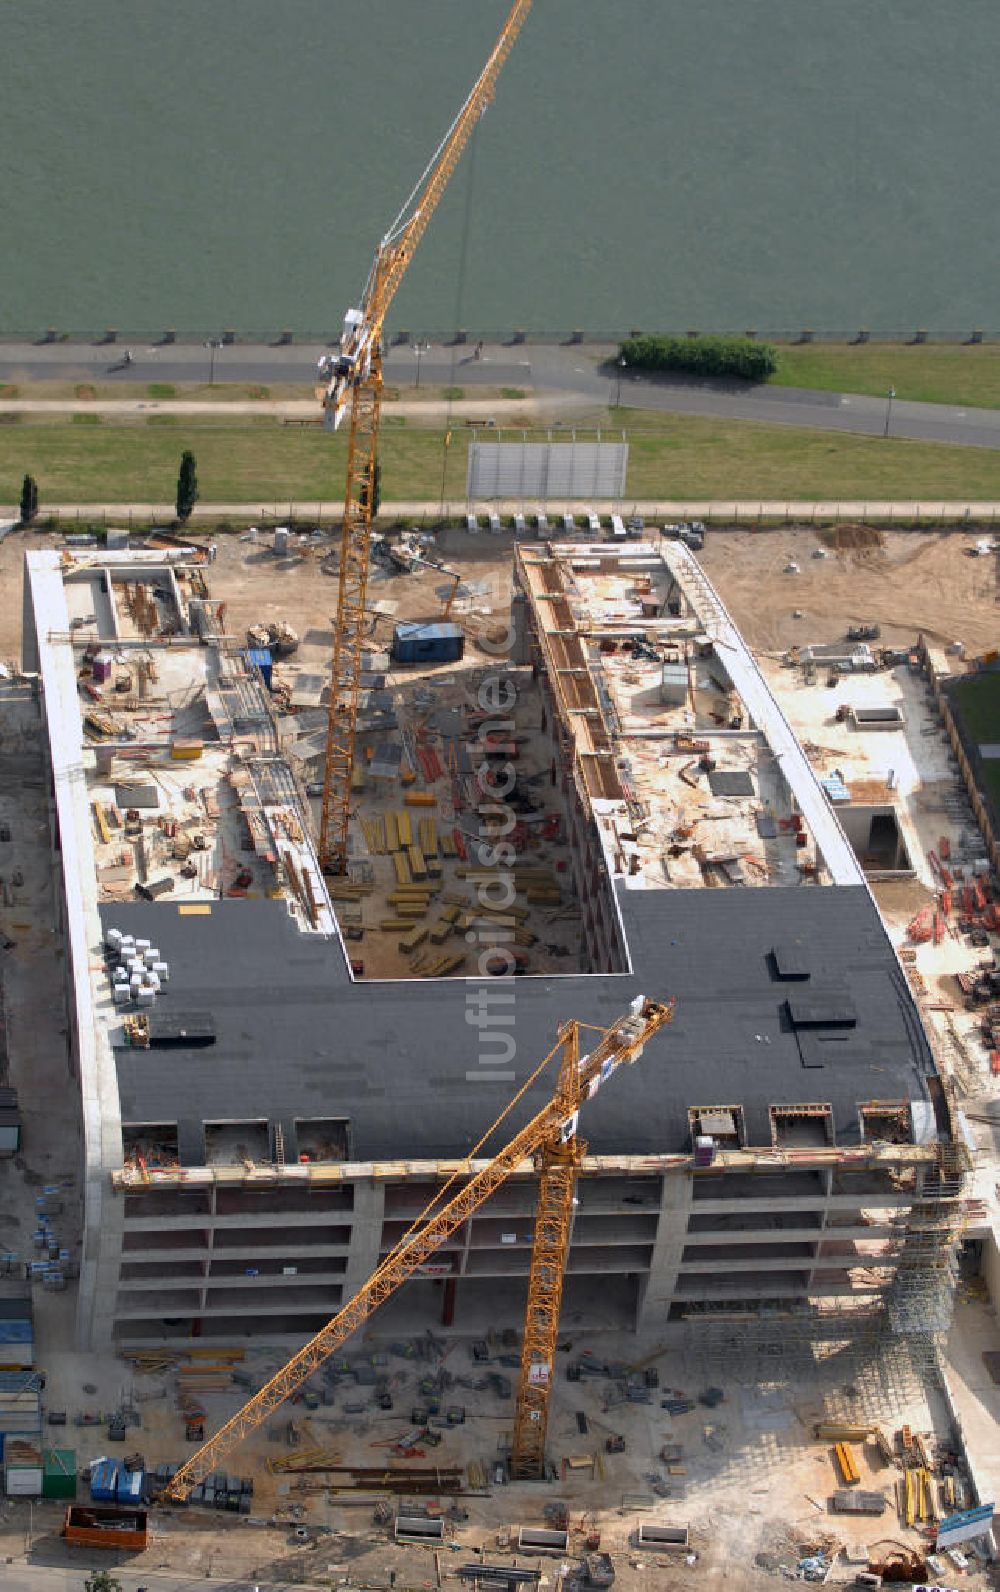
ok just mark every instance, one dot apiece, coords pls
pixel 463 262
pixel 466 1164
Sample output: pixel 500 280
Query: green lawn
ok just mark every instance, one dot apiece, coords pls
pixel 978 697
pixel 976 700
pixel 945 374
pixel 257 459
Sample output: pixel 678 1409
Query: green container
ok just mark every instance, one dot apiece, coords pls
pixel 59 1473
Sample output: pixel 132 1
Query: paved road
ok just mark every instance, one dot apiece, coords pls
pixel 572 371
pixel 21 1577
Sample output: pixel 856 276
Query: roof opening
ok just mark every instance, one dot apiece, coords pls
pixel 724 1124
pixel 886 1122
pixel 801 1127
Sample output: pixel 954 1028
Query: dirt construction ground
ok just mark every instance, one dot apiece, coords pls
pixel 906 581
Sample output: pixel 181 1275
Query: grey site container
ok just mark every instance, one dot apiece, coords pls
pixel 428 643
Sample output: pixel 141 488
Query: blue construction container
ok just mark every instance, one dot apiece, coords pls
pixel 428 643
pixel 129 1488
pixel 104 1481
pixel 260 658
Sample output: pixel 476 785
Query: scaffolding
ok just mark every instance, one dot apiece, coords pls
pixel 921 1296
pixel 893 1335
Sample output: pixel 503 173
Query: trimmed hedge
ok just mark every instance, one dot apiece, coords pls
pixel 703 356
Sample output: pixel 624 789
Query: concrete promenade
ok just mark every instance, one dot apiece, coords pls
pixel 719 511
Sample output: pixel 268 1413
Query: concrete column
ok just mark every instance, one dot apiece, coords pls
pixel 103 1254
pixel 671 1232
pixel 366 1235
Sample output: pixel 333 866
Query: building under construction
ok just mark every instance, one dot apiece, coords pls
pixel 278 1070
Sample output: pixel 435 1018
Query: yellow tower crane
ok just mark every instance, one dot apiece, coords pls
pixel 549 1142
pixel 355 374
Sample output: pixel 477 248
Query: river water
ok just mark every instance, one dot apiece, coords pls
pixel 776 164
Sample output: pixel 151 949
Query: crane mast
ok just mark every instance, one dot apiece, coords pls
pixel 550 1141
pixel 355 374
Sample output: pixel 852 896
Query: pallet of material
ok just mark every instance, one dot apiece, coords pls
pixel 391 832
pixel 444 966
pixel 847 1463
pixel 923 1488
pixel 858 1502
pixel 842 1432
pixel 415 937
pixel 100 818
pixel 394 925
pixel 915 1498
pixel 440 931
pixel 404 829
pixel 427 836
pixel 488 910
pixel 374 833
pixel 402 867
pixel 418 865
pixel 448 846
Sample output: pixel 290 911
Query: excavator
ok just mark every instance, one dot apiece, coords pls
pixel 354 379
pixel 550 1144
pixel 407 558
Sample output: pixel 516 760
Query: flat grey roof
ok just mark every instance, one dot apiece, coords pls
pixel 401 1060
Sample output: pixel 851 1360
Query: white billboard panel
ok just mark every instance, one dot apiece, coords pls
pixel 540 472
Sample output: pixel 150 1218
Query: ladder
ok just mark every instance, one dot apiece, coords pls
pixel 279 1146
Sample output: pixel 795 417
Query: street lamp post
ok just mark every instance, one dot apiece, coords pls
pixel 622 363
pixel 212 345
pixel 890 395
pixel 419 349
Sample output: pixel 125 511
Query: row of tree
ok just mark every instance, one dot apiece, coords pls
pixel 187 491
pixel 740 357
